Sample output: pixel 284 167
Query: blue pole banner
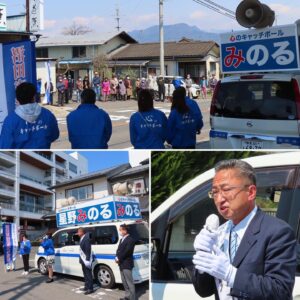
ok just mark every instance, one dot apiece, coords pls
pixel 110 208
pixel 260 50
pixel 19 62
pixel 10 242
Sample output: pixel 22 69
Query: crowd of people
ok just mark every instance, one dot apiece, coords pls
pixel 31 126
pixel 114 88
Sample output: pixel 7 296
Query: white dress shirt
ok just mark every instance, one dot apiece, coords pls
pixel 223 243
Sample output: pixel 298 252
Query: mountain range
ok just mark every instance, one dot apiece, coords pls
pixel 173 33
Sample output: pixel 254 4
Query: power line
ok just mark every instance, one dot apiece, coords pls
pixel 217 8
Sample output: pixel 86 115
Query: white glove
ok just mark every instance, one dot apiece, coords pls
pixel 87 264
pixel 216 265
pixel 205 240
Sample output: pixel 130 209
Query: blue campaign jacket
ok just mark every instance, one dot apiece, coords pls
pixel 182 129
pixel 17 133
pixel 148 130
pixel 25 247
pixel 48 246
pixel 89 127
pixel 194 107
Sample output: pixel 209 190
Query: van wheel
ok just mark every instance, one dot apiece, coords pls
pixel 105 276
pixel 42 265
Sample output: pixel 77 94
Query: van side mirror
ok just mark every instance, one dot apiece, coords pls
pixel 155 251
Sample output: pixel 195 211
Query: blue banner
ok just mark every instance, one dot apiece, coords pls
pixel 102 212
pixel 18 61
pixel 269 49
pixel 10 242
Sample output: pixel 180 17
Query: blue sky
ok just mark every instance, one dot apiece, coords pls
pixel 140 14
pixel 98 160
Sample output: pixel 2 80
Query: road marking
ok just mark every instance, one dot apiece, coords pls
pixel 124 111
pixel 118 118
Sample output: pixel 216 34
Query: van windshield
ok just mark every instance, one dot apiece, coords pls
pixel 256 100
pixel 140 233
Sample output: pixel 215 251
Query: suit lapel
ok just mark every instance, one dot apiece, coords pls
pixel 249 239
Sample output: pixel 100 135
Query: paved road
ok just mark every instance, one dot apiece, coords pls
pixel 120 112
pixel 14 286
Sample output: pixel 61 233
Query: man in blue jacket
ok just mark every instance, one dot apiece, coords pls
pixel 25 247
pixel 89 126
pixel 48 246
pixel 30 126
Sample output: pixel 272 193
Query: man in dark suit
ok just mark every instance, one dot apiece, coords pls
pixel 124 258
pixel 253 255
pixel 86 258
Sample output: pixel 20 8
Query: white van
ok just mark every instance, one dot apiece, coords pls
pixel 177 221
pixel 256 111
pixel 105 240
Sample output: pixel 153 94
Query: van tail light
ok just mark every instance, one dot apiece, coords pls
pixel 297 96
pixel 214 99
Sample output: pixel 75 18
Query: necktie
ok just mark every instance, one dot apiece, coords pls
pixel 233 244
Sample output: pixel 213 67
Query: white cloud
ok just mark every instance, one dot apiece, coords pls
pixel 198 14
pixel 50 23
pixel 285 14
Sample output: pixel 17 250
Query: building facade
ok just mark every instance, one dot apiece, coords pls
pixel 134 182
pixel 76 55
pixel 197 58
pixel 25 178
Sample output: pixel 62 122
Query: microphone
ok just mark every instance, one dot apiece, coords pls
pixel 212 223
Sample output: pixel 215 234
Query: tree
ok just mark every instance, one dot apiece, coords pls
pixel 100 63
pixel 171 170
pixel 76 29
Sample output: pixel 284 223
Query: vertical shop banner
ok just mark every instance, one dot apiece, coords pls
pixel 17 64
pixel 10 242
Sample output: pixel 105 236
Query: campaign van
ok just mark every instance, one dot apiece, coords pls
pixel 101 219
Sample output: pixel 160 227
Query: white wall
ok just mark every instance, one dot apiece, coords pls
pixel 100 188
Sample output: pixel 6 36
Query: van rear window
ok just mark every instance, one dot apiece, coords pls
pixel 256 100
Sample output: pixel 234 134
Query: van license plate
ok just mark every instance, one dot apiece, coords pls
pixel 248 144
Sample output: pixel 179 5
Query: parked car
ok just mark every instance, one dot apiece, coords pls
pixel 169 87
pixel 256 111
pixel 104 239
pixel 177 221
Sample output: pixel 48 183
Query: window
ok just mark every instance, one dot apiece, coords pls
pixel 42 53
pixel 272 100
pixel 81 193
pixel 79 51
pixel 105 235
pixel 72 168
pixel 65 238
pixel 140 233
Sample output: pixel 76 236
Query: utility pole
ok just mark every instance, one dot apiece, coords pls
pixel 161 37
pixel 27 17
pixel 118 18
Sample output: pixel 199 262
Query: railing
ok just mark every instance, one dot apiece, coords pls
pixel 44 155
pixel 34 180
pixel 7 187
pixel 7 205
pixel 60 164
pixel 270 211
pixel 11 171
pixel 37 209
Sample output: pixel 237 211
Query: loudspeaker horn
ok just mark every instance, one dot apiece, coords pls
pixel 252 13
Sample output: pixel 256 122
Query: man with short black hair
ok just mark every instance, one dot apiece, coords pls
pixel 30 126
pixel 86 259
pixel 89 126
pixel 252 255
pixel 124 258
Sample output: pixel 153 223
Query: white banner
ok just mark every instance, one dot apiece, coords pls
pixel 3 102
pixel 36 15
